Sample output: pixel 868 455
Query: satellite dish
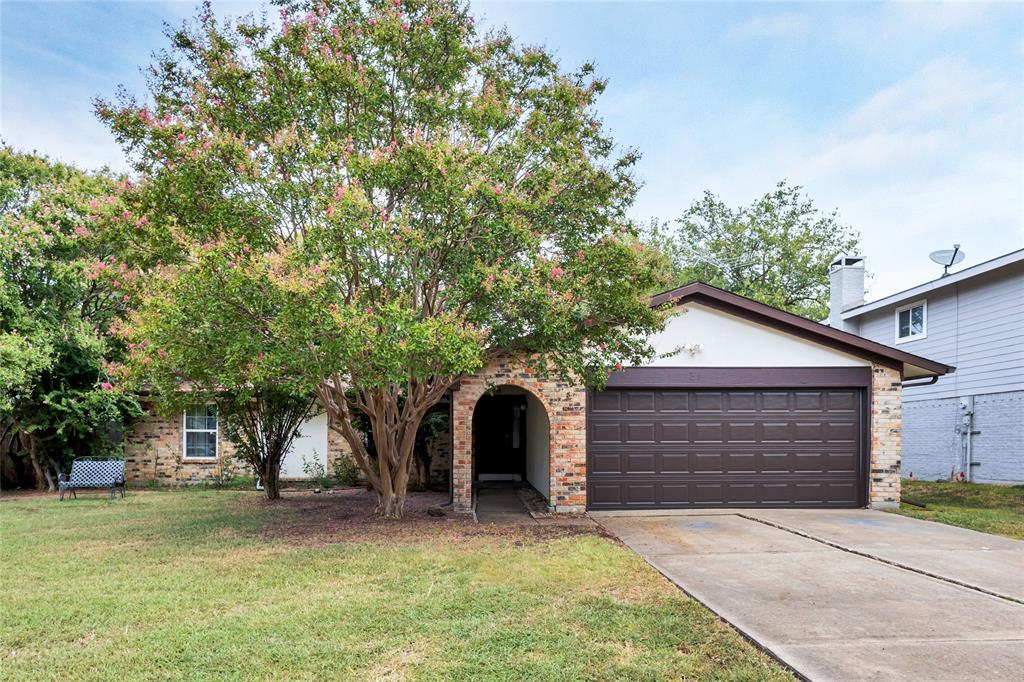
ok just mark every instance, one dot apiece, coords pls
pixel 947 257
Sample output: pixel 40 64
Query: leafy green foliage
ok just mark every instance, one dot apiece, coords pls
pixel 345 472
pixel 263 427
pixel 777 250
pixel 54 313
pixel 374 196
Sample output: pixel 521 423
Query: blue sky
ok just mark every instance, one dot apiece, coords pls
pixel 908 118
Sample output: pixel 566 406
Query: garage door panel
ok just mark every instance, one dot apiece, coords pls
pixel 674 432
pixel 642 463
pixel 708 401
pixel 674 463
pixel 741 432
pixel 607 463
pixel 712 448
pixel 605 494
pixel 641 493
pixel 675 401
pixel 606 432
pixel 775 401
pixel 741 462
pixel 707 463
pixel 709 494
pixel 808 401
pixel 842 401
pixel 675 494
pixel 808 432
pixel 776 462
pixel 708 432
pixel 737 401
pixel 776 432
pixel 605 401
pixel 640 432
pixel 841 432
pixel 640 402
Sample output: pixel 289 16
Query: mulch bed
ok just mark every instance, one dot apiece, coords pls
pixel 348 516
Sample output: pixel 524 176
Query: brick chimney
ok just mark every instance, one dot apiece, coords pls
pixel 846 284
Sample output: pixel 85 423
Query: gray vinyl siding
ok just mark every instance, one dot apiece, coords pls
pixel 976 325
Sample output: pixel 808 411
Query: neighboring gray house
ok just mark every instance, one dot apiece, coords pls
pixel 970 422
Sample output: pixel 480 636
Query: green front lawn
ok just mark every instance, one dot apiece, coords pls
pixel 989 508
pixel 219 584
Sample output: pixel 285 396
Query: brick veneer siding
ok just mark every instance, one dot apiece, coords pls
pixel 565 404
pixel 886 438
pixel 153 453
pixel 440 450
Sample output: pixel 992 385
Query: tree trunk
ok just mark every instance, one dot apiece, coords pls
pixel 394 429
pixel 51 484
pixel 271 483
pixel 392 505
pixel 37 473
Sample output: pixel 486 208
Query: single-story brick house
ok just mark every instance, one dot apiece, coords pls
pixel 745 405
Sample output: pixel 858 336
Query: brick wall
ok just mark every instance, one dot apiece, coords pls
pixel 886 437
pixel 931 445
pixel 153 452
pixel 933 442
pixel 999 448
pixel 441 452
pixel 565 404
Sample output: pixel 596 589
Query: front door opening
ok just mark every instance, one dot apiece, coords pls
pixel 511 441
pixel 499 436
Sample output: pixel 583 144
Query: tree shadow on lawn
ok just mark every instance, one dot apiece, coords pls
pixel 348 516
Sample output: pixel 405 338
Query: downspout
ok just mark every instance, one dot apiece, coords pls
pixel 926 382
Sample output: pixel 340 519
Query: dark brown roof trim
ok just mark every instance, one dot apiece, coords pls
pixel 761 313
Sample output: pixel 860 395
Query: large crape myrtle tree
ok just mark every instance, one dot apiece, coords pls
pixel 368 200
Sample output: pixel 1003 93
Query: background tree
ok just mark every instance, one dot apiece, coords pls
pixel 777 250
pixel 56 397
pixel 263 426
pixel 371 199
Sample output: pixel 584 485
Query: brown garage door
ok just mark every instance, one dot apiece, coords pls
pixel 674 448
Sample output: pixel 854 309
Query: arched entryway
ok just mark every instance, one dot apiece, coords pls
pixel 512 440
pixel 563 405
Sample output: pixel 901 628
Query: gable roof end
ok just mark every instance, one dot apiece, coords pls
pixel 911 366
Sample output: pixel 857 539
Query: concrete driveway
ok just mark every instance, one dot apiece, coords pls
pixel 848 595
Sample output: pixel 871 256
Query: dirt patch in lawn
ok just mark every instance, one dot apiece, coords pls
pixel 348 516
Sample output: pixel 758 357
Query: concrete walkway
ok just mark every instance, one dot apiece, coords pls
pixel 828 594
pixel 501 506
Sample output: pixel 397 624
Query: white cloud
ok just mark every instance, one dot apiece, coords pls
pixel 939 16
pixel 931 159
pixel 945 89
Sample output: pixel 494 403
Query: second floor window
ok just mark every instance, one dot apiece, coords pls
pixel 911 322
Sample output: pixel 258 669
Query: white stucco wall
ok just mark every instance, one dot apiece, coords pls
pixel 538 449
pixel 731 341
pixel 310 444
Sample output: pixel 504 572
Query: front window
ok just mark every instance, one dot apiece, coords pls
pixel 201 432
pixel 911 322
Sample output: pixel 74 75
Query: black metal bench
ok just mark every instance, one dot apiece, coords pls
pixel 93 472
